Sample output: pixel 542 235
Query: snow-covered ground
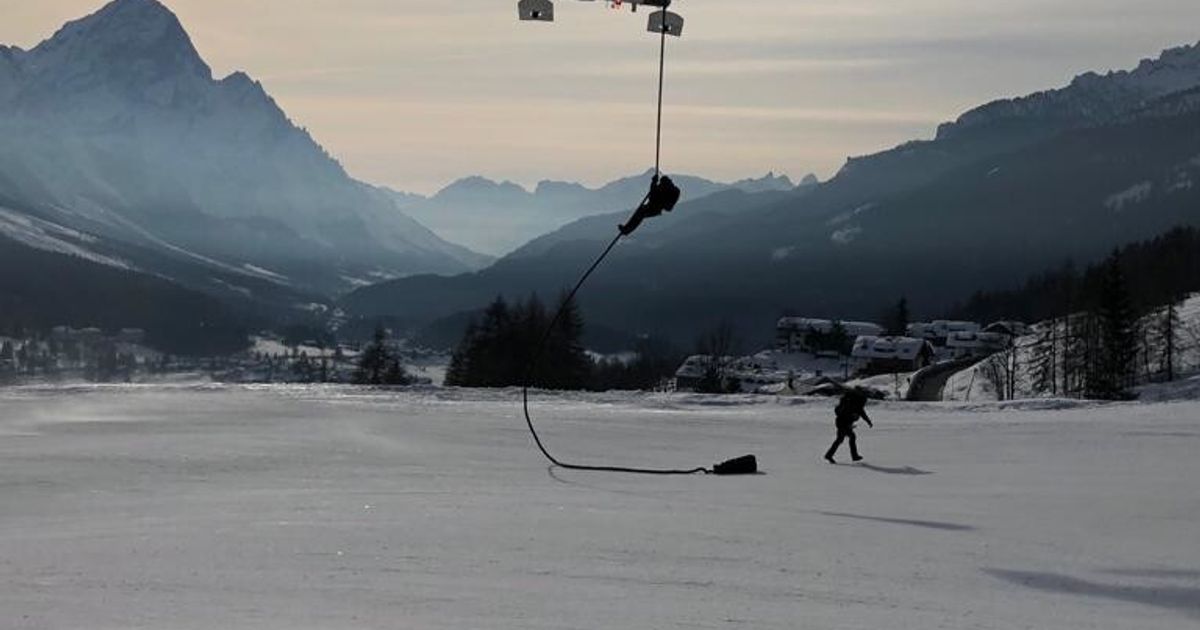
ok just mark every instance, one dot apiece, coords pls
pixel 894 386
pixel 274 347
pixel 328 507
pixel 971 385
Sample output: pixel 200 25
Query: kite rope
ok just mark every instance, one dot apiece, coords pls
pixel 662 60
pixel 537 359
pixel 541 348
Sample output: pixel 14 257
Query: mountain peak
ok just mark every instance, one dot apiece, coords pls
pixel 767 182
pixel 555 187
pixel 1180 56
pixel 1092 97
pixel 140 41
pixel 143 13
pixel 477 187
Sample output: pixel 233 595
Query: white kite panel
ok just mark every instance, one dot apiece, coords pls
pixel 672 23
pixel 536 10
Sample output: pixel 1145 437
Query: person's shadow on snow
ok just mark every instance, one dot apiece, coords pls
pixel 940 525
pixel 1181 597
pixel 900 470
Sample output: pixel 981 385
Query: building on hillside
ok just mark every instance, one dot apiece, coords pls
pixel 8 355
pixel 1010 328
pixel 690 374
pixel 883 355
pixel 977 344
pixel 938 331
pixel 739 374
pixel 84 335
pixel 131 335
pixel 803 334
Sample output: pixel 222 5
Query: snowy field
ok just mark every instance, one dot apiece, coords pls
pixel 175 507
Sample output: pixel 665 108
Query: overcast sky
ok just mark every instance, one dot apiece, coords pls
pixel 414 94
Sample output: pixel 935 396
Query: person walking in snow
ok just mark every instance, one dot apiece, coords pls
pixel 850 408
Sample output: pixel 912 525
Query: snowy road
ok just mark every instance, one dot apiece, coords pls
pixel 222 508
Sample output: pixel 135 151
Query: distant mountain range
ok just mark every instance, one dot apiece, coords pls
pixel 497 217
pixel 125 164
pixel 115 136
pixel 1006 190
pixel 127 170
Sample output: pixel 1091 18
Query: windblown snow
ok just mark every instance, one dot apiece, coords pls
pixel 330 507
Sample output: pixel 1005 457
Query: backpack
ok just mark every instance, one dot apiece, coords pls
pixel 850 405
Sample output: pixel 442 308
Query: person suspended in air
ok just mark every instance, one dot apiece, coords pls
pixel 850 408
pixel 663 196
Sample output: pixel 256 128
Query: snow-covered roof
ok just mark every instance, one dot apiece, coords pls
pixel 764 367
pixel 977 340
pixel 695 365
pixel 871 347
pixel 920 330
pixel 1008 327
pixel 853 329
pixel 940 328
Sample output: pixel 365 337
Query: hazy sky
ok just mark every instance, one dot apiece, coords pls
pixel 414 94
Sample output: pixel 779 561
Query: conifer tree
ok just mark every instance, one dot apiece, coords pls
pixel 567 361
pixel 377 366
pixel 373 360
pixel 1116 350
pixel 498 352
pixel 839 338
pixel 896 322
pixel 458 374
pixel 492 352
pixel 1044 362
pixel 1168 330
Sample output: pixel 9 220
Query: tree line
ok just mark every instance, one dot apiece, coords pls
pixel 499 348
pixel 1105 329
pixel 40 290
pixel 380 364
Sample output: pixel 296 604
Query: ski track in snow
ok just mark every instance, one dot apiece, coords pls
pixel 210 506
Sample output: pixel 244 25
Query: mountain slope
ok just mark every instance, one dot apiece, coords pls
pixel 115 126
pixel 249 291
pixel 498 217
pixel 934 221
pixel 41 288
pixel 1008 125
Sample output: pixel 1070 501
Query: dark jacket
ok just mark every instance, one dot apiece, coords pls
pixel 662 197
pixel 850 408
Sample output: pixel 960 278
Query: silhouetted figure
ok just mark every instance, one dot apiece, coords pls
pixel 663 196
pixel 850 408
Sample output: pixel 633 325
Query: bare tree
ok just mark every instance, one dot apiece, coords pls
pixel 1044 359
pixel 717 346
pixel 1189 340
pixel 993 372
pixel 1002 371
pixel 1168 329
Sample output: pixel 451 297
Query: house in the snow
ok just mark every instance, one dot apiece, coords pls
pixel 803 334
pixel 691 373
pixel 739 374
pixel 131 335
pixel 977 344
pixel 85 335
pixel 938 332
pixel 884 355
pixel 1010 328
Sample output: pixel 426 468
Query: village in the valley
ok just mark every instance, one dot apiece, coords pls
pixel 818 356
